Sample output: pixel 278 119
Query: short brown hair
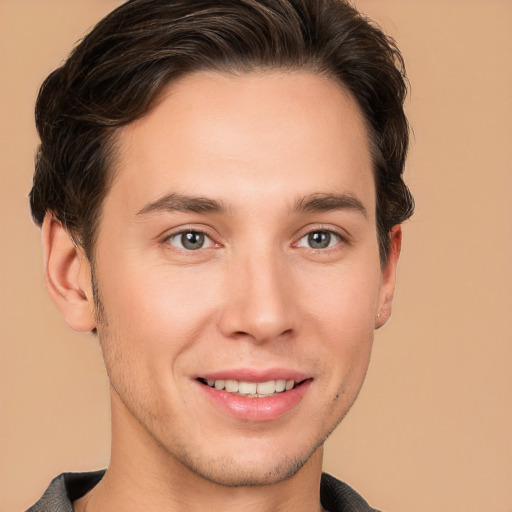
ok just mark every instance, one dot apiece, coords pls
pixel 115 74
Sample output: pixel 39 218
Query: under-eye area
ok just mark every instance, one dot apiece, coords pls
pixel 252 389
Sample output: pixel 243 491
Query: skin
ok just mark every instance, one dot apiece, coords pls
pixel 256 296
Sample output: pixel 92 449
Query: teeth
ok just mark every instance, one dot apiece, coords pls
pixel 281 385
pixel 247 388
pixel 232 386
pixel 265 388
pixel 257 389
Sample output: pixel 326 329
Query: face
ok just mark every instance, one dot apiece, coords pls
pixel 238 271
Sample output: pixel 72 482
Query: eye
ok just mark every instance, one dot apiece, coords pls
pixel 320 239
pixel 190 240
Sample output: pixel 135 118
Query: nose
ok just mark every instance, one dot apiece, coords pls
pixel 258 302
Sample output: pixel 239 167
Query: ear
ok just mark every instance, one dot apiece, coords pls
pixel 387 287
pixel 67 275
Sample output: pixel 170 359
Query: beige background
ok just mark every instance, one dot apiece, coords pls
pixel 431 431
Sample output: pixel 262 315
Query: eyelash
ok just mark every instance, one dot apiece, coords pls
pixel 333 239
pixel 180 234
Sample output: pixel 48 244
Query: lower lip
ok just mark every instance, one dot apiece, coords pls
pixel 256 409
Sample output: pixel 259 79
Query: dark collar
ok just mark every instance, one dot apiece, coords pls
pixel 335 496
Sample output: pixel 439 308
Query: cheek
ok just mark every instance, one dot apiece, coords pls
pixel 158 306
pixel 342 314
pixel 343 298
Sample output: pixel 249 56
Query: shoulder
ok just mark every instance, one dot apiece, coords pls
pixel 337 496
pixel 64 489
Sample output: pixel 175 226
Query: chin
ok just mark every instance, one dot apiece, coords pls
pixel 233 474
pixel 242 471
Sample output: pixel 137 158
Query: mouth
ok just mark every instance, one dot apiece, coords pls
pixel 252 389
pixel 255 396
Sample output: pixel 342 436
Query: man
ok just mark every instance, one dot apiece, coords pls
pixel 220 191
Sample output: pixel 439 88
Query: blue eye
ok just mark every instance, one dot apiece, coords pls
pixel 190 240
pixel 320 239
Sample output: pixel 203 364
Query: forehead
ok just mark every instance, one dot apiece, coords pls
pixel 237 137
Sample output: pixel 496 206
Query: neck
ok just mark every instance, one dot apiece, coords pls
pixel 143 476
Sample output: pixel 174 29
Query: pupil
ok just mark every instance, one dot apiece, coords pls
pixel 192 240
pixel 319 239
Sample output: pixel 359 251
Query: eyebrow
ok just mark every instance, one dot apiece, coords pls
pixel 182 203
pixel 329 202
pixel 318 202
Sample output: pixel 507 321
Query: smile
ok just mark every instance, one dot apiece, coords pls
pixel 254 396
pixel 250 389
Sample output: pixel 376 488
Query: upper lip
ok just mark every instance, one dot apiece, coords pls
pixel 255 375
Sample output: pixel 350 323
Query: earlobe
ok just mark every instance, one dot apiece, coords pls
pixel 387 288
pixel 67 276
